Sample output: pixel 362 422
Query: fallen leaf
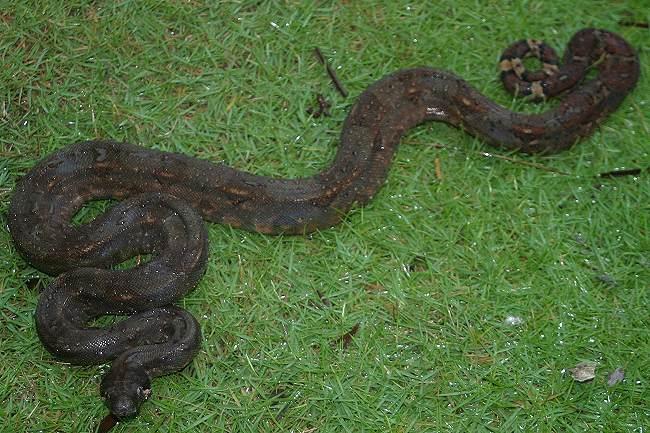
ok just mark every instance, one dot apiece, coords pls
pixel 375 288
pixel 583 372
pixel 326 302
pixel 346 338
pixel 480 358
pixel 606 279
pixel 615 376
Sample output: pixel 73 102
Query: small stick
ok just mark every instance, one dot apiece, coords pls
pixel 528 163
pixel 639 24
pixel 619 173
pixel 509 159
pixel 331 73
pixel 438 167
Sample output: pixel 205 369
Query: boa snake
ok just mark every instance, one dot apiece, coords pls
pixel 162 192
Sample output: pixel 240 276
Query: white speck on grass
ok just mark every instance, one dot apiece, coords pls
pixel 513 321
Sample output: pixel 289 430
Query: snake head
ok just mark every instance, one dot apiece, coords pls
pixel 124 390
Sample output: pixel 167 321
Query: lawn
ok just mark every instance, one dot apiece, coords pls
pixel 457 300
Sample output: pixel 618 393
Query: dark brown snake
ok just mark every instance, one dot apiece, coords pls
pixel 162 192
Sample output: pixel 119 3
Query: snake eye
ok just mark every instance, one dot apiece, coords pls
pixel 143 393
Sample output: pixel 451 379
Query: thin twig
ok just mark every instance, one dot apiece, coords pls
pixel 438 167
pixel 619 173
pixel 522 162
pixel 639 24
pixel 509 159
pixel 331 73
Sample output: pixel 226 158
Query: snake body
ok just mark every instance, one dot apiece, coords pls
pixel 161 194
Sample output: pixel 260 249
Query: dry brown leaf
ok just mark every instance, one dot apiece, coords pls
pixel 583 372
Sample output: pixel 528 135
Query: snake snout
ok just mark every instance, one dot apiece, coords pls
pixel 126 404
pixel 123 406
pixel 125 388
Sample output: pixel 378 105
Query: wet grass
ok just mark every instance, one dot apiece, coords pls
pixel 430 271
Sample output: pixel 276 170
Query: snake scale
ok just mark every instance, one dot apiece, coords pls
pixel 165 196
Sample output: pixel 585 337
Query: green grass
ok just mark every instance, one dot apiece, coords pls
pixel 429 270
